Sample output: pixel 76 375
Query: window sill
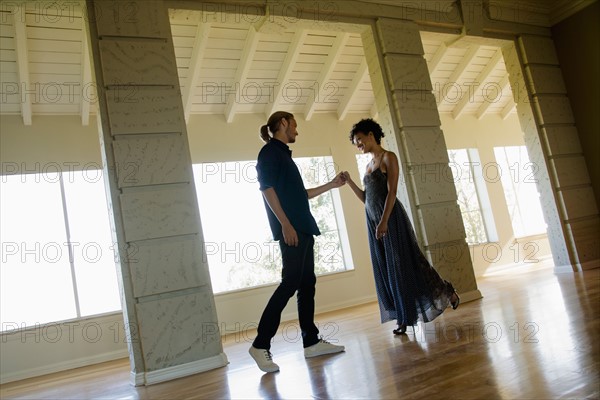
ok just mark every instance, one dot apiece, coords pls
pixel 324 277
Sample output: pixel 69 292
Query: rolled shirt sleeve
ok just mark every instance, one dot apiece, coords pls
pixel 267 168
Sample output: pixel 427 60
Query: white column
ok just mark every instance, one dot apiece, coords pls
pixel 167 297
pixel 553 145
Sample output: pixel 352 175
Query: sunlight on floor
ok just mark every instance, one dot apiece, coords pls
pixel 522 268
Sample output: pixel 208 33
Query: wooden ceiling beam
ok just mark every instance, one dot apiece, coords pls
pixel 508 108
pixel 241 75
pixel 23 68
pixel 86 78
pixel 189 87
pixel 480 81
pixel 485 104
pixel 437 58
pixel 374 111
pixel 359 77
pixel 457 74
pixel 323 80
pixel 285 71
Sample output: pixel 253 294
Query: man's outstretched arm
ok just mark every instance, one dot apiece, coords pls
pixel 334 183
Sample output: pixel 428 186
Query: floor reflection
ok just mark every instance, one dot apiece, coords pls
pixel 533 335
pixel 319 381
pixel 267 387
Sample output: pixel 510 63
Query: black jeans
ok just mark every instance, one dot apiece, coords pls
pixel 297 274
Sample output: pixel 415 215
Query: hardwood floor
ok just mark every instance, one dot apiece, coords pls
pixel 534 335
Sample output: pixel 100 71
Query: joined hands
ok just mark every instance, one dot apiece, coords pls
pixel 339 180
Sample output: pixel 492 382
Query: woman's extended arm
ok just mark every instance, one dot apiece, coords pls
pixel 357 191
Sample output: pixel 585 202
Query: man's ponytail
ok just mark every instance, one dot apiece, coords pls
pixel 264 133
pixel 273 124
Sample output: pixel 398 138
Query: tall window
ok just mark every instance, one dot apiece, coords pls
pixel 90 237
pixel 239 246
pixel 472 196
pixel 326 208
pixel 57 261
pixel 520 190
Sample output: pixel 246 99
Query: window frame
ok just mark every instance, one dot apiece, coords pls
pixel 344 242
pixel 69 245
pixel 476 177
pixel 505 162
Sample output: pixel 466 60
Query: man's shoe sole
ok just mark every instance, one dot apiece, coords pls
pixel 333 351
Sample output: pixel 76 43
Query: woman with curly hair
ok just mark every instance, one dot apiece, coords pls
pixel 408 287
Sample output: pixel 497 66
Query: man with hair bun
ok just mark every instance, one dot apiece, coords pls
pixel 292 224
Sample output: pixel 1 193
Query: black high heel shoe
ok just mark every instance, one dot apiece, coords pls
pixel 456 302
pixel 400 331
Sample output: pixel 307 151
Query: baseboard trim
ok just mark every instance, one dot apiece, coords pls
pixel 563 269
pixel 63 366
pixel 589 265
pixel 293 315
pixel 136 378
pixel 178 371
pixel 471 295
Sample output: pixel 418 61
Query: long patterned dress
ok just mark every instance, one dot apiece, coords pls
pixel 408 287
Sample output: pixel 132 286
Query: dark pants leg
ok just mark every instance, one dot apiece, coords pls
pixel 297 274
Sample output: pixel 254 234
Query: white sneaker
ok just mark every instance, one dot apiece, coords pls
pixel 321 348
pixel 263 359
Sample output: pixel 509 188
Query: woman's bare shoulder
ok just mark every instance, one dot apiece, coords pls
pixel 389 158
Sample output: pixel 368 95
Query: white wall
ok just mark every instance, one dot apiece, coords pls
pixel 50 140
pixel 54 347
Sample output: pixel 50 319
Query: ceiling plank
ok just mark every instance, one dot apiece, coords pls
pixel 486 73
pixel 241 74
pixel 480 81
pixel 191 82
pixel 23 68
pixel 334 55
pixel 86 78
pixel 461 68
pixel 359 77
pixel 485 105
pixel 285 71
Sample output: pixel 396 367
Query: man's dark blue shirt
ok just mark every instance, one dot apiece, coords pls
pixel 277 170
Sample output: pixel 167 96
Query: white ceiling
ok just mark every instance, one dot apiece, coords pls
pixel 232 67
